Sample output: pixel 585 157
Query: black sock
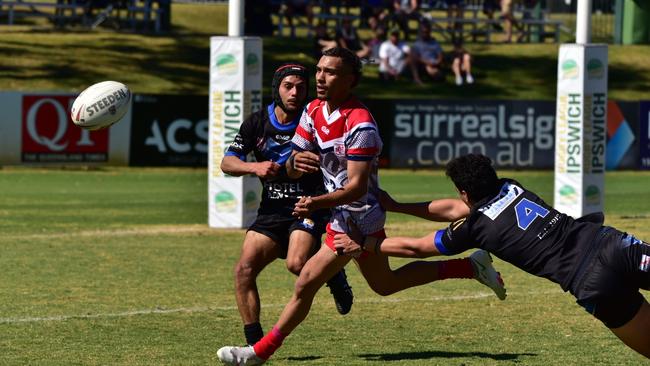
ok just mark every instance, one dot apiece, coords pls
pixel 253 332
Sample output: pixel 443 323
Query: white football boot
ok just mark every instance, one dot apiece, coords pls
pixel 485 273
pixel 239 356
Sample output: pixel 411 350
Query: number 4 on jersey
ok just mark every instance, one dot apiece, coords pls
pixel 527 211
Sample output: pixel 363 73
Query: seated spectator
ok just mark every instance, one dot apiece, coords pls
pixel 461 63
pixel 374 43
pixel 404 11
pixel 322 40
pixel 426 56
pixel 348 37
pixel 373 13
pixel 393 55
pixel 299 7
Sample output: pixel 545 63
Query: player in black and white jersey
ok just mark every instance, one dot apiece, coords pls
pixel 275 232
pixel 602 267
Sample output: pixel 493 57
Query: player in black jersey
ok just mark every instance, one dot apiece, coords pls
pixel 602 267
pixel 275 232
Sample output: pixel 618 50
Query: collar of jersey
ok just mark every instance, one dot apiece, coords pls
pixel 277 124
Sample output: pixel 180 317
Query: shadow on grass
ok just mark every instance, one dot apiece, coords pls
pixel 303 359
pixel 442 354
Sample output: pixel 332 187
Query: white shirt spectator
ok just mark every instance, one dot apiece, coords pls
pixel 393 55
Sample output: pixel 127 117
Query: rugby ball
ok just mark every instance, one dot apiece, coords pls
pixel 101 105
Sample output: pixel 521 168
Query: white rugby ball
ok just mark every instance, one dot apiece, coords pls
pixel 101 105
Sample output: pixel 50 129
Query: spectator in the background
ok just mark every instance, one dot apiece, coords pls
pixel 379 36
pixel 426 56
pixel 461 63
pixel 489 7
pixel 404 11
pixel 299 7
pixel 508 19
pixel 454 11
pixel 393 55
pixel 374 13
pixel 348 37
pixel 322 40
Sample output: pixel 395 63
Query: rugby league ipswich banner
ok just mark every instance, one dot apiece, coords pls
pixel 235 92
pixel 580 129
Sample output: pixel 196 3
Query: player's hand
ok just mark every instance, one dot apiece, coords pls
pixel 386 201
pixel 306 162
pixel 303 208
pixel 267 169
pixel 346 246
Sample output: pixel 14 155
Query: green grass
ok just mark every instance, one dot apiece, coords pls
pixel 117 266
pixel 37 57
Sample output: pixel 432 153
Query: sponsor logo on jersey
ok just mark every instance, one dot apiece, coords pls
pixel 325 130
pixel 339 149
pixel 509 192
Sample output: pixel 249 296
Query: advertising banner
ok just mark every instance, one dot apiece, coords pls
pixel 581 130
pixel 644 135
pixel 49 136
pixel 165 134
pixel 235 92
pixel 514 134
pixel 10 131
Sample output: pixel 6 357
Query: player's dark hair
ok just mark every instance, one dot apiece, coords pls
pixel 290 68
pixel 350 60
pixel 474 174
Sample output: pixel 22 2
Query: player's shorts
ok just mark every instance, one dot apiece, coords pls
pixel 609 286
pixel 329 239
pixel 279 227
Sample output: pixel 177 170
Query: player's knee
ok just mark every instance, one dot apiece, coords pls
pixel 245 273
pixel 295 265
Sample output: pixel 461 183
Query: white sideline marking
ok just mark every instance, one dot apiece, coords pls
pixel 204 309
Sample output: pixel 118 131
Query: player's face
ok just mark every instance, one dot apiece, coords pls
pixel 333 79
pixel 293 92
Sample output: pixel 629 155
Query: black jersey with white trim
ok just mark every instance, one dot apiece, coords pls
pixel 520 228
pixel 269 140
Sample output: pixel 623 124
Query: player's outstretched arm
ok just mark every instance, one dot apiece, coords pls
pixel 445 210
pixel 234 166
pixel 395 247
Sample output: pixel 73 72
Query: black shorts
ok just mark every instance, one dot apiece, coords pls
pixel 609 287
pixel 279 227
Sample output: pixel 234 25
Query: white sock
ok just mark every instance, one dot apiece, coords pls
pixel 469 78
pixel 459 80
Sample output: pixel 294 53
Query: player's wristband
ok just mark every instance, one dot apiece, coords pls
pixel 292 162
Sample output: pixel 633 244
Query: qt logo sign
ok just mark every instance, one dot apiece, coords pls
pixel 48 134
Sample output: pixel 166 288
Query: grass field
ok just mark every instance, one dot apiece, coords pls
pixel 118 267
pixel 37 57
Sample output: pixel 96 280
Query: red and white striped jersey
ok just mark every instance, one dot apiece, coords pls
pixel 348 133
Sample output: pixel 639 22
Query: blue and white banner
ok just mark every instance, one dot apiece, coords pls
pixel 644 135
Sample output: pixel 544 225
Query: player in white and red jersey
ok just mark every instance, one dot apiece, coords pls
pixel 348 133
pixel 338 136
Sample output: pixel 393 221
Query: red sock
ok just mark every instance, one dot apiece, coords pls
pixel 455 268
pixel 266 346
